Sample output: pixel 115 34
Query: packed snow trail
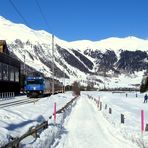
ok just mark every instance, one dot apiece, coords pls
pixel 86 128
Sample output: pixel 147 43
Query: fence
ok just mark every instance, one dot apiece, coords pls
pixel 119 119
pixel 35 130
pixel 7 95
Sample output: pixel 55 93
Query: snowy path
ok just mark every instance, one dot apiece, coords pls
pixel 86 128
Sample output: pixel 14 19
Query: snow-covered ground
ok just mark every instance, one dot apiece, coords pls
pixel 83 125
pixel 16 120
pixel 87 128
pixel 130 107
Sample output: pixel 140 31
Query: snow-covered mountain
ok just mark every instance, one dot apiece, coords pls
pixel 110 61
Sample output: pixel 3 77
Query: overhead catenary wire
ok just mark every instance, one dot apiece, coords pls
pixel 18 12
pixel 23 18
pixel 43 16
pixel 25 21
pixel 47 25
pixel 46 22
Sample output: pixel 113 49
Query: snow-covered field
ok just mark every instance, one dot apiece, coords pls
pixel 16 120
pixel 130 107
pixel 83 125
pixel 89 127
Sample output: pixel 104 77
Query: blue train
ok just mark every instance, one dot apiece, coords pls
pixel 38 86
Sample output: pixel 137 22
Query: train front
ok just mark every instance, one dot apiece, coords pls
pixel 34 86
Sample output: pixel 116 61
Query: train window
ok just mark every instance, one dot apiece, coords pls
pixel 11 73
pixel 16 75
pixel 35 81
pixel 0 71
pixel 5 71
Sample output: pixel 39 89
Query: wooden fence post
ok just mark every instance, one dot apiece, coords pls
pixel 105 106
pixel 100 105
pixel 110 110
pixel 122 118
pixel 146 127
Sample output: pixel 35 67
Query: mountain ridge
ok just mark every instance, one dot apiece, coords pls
pixel 141 44
pixel 109 57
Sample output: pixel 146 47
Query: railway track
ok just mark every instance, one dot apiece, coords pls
pixel 17 102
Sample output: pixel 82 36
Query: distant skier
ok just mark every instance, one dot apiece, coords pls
pixel 145 98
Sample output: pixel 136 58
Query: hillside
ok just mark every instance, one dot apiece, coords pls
pixel 111 62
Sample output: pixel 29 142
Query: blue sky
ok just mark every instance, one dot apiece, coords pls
pixel 83 19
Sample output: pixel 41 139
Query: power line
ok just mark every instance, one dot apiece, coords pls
pixel 42 14
pixel 25 21
pixel 46 22
pixel 18 12
pixel 22 17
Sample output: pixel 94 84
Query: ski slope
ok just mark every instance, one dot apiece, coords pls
pixel 87 128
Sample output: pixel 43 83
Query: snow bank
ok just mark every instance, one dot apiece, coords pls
pixel 51 134
pixel 16 120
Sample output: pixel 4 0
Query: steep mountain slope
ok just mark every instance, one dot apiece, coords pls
pixel 35 46
pixel 110 57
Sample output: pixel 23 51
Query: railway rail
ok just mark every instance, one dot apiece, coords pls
pixel 17 102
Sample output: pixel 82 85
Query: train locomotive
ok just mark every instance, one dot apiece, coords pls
pixel 38 86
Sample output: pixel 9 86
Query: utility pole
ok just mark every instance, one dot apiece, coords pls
pixel 52 64
pixel 24 65
pixel 64 81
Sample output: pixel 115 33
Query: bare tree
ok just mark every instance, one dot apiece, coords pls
pixel 144 85
pixel 76 88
